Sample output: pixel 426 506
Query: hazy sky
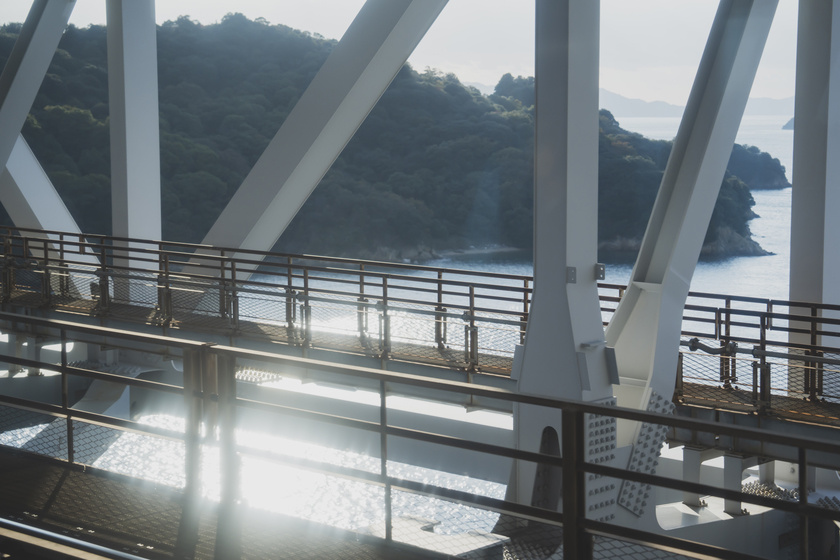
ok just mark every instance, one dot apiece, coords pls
pixel 649 48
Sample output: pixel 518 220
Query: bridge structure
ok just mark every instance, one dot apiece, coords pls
pixel 568 416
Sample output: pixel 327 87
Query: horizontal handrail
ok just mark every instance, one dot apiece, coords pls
pixel 573 414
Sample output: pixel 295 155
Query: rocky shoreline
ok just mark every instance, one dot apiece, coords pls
pixel 727 245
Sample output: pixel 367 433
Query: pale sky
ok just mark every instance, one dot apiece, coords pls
pixel 649 48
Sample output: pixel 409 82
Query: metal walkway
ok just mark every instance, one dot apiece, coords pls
pixel 133 517
pixel 468 322
pixel 158 499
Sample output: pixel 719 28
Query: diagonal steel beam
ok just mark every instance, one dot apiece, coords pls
pixel 29 196
pixel 26 192
pixel 27 64
pixel 31 200
pixel 645 330
pixel 348 85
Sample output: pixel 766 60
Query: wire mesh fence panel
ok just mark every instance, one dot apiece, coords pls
pixel 788 376
pixel 415 331
pixel 268 312
pixel 498 336
pixel 700 367
pixel 135 288
pixel 194 304
pixel 333 314
pixel 830 374
pixel 78 290
pixel 26 288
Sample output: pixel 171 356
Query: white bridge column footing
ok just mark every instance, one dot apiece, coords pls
pixel 564 353
pixel 645 329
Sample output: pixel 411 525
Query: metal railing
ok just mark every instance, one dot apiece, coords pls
pixel 466 320
pixel 462 319
pixel 753 348
pixel 213 407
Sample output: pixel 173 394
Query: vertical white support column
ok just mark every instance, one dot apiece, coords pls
pixel 564 352
pixel 135 131
pixel 767 473
pixel 27 64
pixel 692 462
pixel 135 134
pixel 733 470
pixel 33 352
pixel 815 202
pixel 646 327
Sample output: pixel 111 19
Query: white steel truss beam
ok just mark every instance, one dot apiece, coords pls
pixel 815 201
pixel 645 329
pixel 31 200
pixel 29 196
pixel 26 192
pixel 27 64
pixel 348 85
pixel 564 353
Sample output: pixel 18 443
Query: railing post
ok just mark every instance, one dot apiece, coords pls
pixel 383 459
pixel 576 542
pixel 46 282
pixel 471 335
pixel 223 303
pixel 725 360
pixel 306 311
pixel 803 501
pixel 64 270
pixel 440 317
pixel 65 401
pixel 385 340
pixel 104 292
pixel 291 301
pixel 228 530
pixel 164 290
pixel 361 309
pixel 523 327
pixel 810 365
pixel 764 387
pixel 679 387
pixel 8 270
pixel 233 298
pixel 188 528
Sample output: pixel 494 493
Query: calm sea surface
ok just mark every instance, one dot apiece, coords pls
pixel 765 276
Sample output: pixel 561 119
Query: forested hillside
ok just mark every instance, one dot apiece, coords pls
pixel 436 166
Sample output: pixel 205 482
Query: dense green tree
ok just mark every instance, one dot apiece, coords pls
pixel 436 164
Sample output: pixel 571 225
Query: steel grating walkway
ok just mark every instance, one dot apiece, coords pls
pixel 141 518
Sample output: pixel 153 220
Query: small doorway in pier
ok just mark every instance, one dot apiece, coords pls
pixel 548 483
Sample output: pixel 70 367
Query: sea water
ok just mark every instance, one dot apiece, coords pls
pixel 763 276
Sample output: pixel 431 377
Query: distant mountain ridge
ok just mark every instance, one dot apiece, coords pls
pixel 628 107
